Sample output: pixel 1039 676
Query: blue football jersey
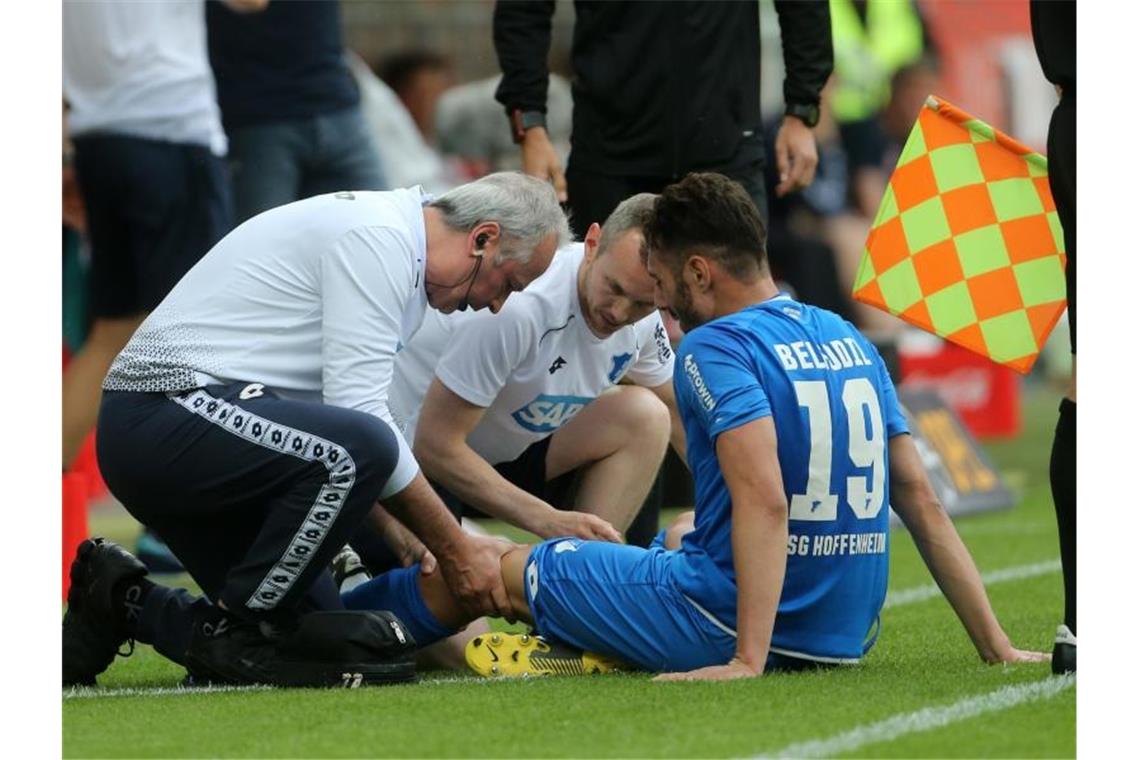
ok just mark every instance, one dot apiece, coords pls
pixel 834 409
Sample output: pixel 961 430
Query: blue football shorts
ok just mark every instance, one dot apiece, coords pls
pixel 621 601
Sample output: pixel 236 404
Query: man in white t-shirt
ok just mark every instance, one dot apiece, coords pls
pixel 247 422
pixel 572 381
pixel 148 159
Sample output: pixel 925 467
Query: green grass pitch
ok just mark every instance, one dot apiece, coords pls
pixel 921 692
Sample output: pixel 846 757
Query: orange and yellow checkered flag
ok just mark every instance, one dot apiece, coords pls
pixel 967 243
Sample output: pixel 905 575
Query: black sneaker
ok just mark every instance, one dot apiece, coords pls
pixel 227 650
pixel 1064 651
pixel 92 633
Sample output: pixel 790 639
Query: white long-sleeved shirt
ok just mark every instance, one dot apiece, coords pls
pixel 312 299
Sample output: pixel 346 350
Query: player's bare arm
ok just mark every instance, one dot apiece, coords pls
pixel 913 498
pixel 751 469
pixel 442 450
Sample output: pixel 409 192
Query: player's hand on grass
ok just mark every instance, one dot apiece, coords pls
pixel 580 525
pixel 1022 655
pixel 796 156
pixel 540 159
pixel 736 668
pixel 472 571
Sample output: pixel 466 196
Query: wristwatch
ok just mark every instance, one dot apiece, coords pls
pixel 808 113
pixel 521 121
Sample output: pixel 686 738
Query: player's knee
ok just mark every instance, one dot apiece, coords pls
pixel 644 416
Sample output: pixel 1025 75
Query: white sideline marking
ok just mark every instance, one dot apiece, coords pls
pixel 928 718
pixel 86 692
pixel 931 590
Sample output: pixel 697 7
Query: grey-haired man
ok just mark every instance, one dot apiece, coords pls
pixel 247 422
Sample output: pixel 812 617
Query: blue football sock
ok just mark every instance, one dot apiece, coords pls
pixel 398 592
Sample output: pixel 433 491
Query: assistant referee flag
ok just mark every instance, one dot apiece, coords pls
pixel 967 243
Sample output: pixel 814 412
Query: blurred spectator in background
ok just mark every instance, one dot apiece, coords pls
pixel 407 158
pixel 289 104
pixel 800 250
pixel 877 43
pixel 910 87
pixel 147 157
pixel 419 77
pixel 469 122
pixel 661 89
pixel 1055 37
pixel 873 39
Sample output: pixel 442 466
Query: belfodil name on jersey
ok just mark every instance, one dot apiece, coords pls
pixel 834 355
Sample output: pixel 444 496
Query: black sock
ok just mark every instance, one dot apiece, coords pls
pixel 127 599
pixel 1063 479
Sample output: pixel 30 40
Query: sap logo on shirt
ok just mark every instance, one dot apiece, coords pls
pixel 548 413
pixel 620 362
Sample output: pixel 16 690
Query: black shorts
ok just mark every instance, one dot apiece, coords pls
pixel 153 209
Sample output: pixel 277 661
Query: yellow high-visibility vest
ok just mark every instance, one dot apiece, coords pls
pixel 866 56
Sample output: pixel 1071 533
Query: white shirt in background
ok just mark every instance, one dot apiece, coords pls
pixel 140 69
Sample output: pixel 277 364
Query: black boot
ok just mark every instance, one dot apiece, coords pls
pixel 93 630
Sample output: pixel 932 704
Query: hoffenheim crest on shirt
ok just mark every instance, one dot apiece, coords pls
pixel 621 361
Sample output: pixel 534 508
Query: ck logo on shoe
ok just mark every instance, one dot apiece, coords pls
pixel 621 361
pixel 548 413
pixel 253 390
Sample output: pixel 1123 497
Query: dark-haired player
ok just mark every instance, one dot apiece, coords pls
pixel 797 445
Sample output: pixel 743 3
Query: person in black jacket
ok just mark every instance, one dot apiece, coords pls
pixel 1055 37
pixel 661 89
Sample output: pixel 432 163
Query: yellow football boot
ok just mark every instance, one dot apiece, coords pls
pixel 520 655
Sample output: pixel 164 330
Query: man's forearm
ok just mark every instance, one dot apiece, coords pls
pixel 759 550
pixel 914 500
pixel 420 509
pixel 470 477
pixel 954 571
pixel 521 35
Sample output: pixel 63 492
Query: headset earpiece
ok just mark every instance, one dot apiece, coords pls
pixel 480 241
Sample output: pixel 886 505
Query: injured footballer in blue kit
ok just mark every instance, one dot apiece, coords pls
pixel 798 447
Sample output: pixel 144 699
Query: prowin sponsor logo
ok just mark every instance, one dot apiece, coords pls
pixel 698 383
